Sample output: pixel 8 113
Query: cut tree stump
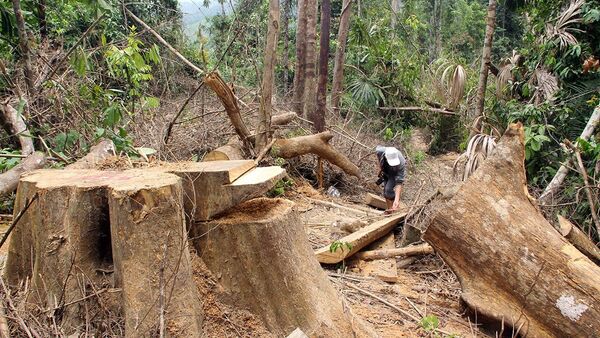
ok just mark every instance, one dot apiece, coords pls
pixel 215 186
pixel 86 221
pixel 261 255
pixel 352 243
pixel 513 266
pixel 580 240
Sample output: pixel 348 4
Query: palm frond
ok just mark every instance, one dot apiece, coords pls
pixel 546 85
pixel 448 81
pixel 561 29
pixel 505 74
pixel 479 148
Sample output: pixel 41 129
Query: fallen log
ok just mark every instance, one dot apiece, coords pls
pixel 262 257
pixel 10 179
pixel 514 268
pixel 317 144
pixel 227 152
pixel 343 207
pixel 97 153
pixel 15 126
pixel 351 244
pixel 413 250
pixel 580 240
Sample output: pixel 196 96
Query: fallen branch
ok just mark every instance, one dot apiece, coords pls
pixel 423 109
pixel 172 123
pixel 343 207
pixel 561 174
pixel 284 118
pixel 17 218
pixel 414 250
pixel 317 144
pixel 13 122
pixel 580 240
pixel 164 42
pixel 9 180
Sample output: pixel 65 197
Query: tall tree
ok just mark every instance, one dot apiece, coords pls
pixel 264 127
pixel 285 20
pixel 318 117
pixel 300 69
pixel 24 46
pixel 310 86
pixel 338 67
pixel 396 5
pixel 485 65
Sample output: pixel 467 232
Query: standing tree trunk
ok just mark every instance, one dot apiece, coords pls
pixel 42 21
pixel 300 69
pixel 318 118
pixel 24 46
pixel 395 10
pixel 485 65
pixel 264 126
pixel 338 68
pixel 310 86
pixel 285 22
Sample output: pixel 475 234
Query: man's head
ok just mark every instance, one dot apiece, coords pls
pixel 392 155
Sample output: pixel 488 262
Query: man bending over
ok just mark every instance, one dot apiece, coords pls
pixel 392 167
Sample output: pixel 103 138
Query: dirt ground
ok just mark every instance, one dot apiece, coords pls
pixel 424 287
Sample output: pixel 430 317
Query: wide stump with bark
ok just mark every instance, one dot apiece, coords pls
pixel 81 225
pixel 261 256
pixel 513 266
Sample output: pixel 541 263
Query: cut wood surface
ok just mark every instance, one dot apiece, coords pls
pixel 383 253
pixel 384 269
pixel 215 186
pixel 97 153
pixel 317 144
pixel 375 201
pixel 10 179
pixel 262 257
pixel 513 266
pixel 580 240
pixel 229 151
pixel 359 239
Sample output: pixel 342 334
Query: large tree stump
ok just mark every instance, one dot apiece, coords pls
pixel 85 221
pixel 512 264
pixel 261 256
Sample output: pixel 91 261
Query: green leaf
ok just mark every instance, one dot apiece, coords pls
pixel 151 102
pixel 430 323
pixel 112 115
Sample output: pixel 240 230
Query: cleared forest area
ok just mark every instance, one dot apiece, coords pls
pixel 225 186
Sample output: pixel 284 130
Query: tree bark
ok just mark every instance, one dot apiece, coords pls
pixel 24 47
pixel 264 261
pixel 340 52
pixel 263 132
pixel 15 125
pixel 317 144
pixel 300 69
pixel 318 118
pixel 414 250
pixel 580 240
pixel 512 266
pixel 310 85
pixel 85 221
pixel 10 179
pixel 561 174
pixel 41 14
pixel 485 65
pixel 396 4
pixel 215 82
pixel 285 23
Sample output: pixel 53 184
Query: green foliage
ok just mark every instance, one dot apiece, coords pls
pixel 430 323
pixel 337 245
pixel 281 187
pixel 7 163
pixel 418 157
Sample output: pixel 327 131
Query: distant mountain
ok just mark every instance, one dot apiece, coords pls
pixel 194 14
